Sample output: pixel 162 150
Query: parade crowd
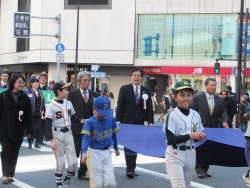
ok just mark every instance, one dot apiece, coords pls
pixel 81 125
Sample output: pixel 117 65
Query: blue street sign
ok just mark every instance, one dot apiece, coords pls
pixel 98 74
pixel 60 48
pixel 21 25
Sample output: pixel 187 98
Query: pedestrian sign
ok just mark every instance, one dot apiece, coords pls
pixel 60 48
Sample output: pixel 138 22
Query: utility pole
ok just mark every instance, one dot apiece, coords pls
pixel 245 50
pixel 77 33
pixel 57 35
pixel 239 83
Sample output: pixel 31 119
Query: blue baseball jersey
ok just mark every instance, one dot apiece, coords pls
pixel 99 133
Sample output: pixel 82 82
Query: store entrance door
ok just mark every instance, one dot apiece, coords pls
pixel 152 85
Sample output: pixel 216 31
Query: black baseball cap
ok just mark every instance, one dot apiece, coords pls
pixel 60 85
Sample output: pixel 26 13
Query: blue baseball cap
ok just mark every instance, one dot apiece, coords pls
pixel 102 106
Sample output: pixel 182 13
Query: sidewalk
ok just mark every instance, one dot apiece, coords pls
pixel 156 120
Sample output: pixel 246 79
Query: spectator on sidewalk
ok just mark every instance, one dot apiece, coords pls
pixel 154 101
pixel 241 118
pixel 112 103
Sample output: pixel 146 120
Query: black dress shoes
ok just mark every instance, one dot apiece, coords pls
pixel 130 175
pixel 201 174
pixel 41 143
pixel 10 180
pixel 83 178
pixel 207 175
pixel 37 146
pixel 5 181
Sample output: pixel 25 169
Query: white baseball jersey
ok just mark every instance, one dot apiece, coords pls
pixel 60 113
pixel 180 124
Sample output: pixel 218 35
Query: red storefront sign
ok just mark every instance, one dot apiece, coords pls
pixel 227 71
pixel 151 70
pixel 223 78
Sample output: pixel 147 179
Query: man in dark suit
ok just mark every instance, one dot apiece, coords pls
pixel 82 100
pixel 211 109
pixel 130 110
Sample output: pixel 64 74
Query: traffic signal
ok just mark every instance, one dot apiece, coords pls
pixel 216 68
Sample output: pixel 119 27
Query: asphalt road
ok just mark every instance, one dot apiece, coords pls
pixel 35 168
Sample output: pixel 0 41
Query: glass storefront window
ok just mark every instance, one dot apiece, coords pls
pixel 187 36
pixel 198 81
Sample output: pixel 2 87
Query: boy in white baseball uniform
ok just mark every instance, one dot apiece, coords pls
pixel 99 134
pixel 183 127
pixel 59 114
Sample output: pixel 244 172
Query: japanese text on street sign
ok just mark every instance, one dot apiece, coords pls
pixel 21 25
pixel 98 74
pixel 59 57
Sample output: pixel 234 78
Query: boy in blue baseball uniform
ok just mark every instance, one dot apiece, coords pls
pixel 183 127
pixel 99 134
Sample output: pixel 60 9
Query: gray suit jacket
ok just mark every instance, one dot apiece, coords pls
pixel 200 104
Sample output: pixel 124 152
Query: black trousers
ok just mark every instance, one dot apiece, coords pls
pixel 78 147
pixel 201 168
pixel 9 155
pixel 130 157
pixel 43 130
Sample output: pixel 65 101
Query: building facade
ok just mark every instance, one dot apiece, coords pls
pixel 170 40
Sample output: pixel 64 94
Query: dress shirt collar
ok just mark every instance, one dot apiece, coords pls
pixel 87 91
pixel 139 87
pixel 207 95
pixel 3 83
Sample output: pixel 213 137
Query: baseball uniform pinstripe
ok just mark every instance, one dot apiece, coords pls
pixel 60 115
pixel 181 164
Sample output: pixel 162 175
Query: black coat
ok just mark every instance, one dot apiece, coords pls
pixel 10 125
pixel 82 110
pixel 200 105
pixel 127 109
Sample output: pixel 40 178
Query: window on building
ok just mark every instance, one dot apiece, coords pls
pixel 187 36
pixel 88 4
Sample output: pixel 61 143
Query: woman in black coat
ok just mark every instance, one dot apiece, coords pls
pixel 38 108
pixel 15 116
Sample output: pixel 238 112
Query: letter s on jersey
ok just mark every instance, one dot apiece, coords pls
pixel 58 114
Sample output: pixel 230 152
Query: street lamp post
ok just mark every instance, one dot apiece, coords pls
pixel 77 34
pixel 238 86
pixel 239 83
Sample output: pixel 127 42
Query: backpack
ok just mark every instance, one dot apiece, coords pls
pixel 247 108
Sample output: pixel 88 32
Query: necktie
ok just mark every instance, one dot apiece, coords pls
pixel 136 95
pixel 211 104
pixel 85 96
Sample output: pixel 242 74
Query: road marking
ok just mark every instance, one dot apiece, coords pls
pixel 164 176
pixel 20 184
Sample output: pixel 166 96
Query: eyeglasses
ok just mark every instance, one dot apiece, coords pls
pixel 21 83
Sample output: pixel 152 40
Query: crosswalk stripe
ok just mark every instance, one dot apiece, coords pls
pixel 161 175
pixel 20 184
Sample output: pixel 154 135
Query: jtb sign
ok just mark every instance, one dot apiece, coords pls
pixel 21 25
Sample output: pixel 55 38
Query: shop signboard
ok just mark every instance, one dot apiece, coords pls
pixel 243 35
pixel 199 70
pixel 151 70
pixel 223 78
